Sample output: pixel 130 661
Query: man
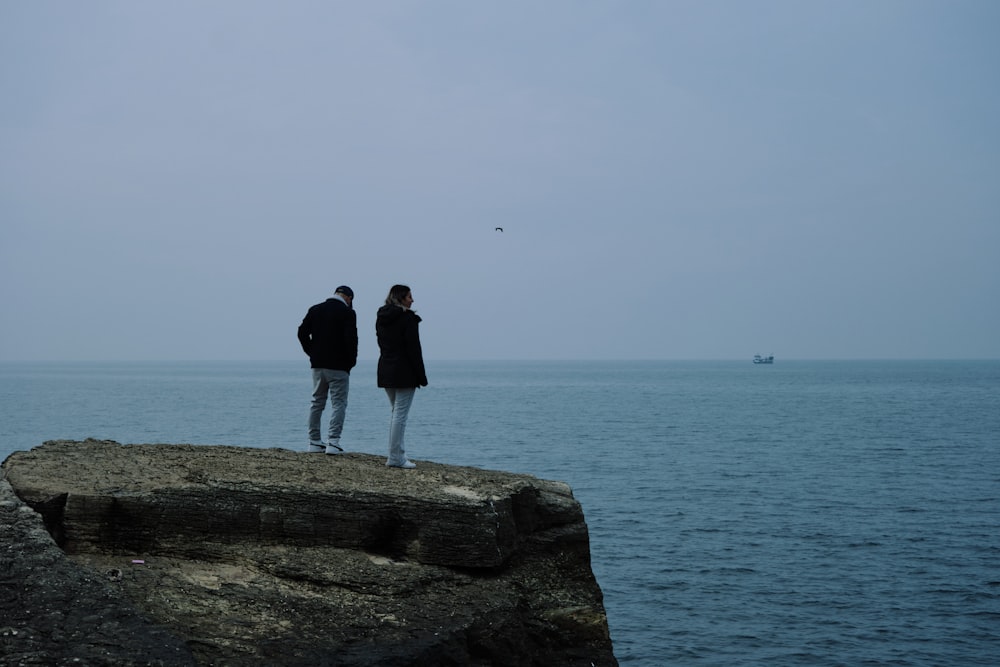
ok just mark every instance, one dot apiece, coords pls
pixel 329 335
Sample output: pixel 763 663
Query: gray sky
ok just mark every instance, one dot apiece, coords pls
pixel 675 179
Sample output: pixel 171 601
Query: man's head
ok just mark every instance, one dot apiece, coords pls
pixel 346 292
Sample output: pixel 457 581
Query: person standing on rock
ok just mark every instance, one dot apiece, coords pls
pixel 400 365
pixel 329 335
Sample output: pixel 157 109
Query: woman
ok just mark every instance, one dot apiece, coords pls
pixel 400 365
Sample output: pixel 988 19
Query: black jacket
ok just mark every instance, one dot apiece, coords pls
pixel 329 335
pixel 400 361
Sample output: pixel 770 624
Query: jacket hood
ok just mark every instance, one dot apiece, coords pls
pixel 390 314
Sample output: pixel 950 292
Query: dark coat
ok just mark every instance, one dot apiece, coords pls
pixel 400 361
pixel 329 335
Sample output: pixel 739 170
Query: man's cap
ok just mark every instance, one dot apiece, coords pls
pixel 345 290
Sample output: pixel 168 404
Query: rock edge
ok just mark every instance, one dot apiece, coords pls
pixel 253 556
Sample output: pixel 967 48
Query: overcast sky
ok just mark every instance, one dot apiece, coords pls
pixel 675 179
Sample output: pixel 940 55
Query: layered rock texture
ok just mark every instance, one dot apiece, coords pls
pixel 212 555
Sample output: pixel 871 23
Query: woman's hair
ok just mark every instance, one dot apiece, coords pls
pixel 396 295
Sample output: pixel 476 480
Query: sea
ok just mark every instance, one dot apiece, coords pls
pixel 802 513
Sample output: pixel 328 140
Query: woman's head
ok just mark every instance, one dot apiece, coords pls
pixel 399 295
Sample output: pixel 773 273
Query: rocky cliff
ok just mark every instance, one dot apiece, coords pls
pixel 211 555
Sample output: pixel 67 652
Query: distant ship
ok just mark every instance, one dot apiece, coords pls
pixel 757 359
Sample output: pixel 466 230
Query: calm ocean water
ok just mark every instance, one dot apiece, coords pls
pixel 805 513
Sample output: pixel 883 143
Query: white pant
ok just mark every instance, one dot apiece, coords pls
pixel 400 401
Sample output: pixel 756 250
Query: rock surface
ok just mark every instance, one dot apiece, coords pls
pixel 211 555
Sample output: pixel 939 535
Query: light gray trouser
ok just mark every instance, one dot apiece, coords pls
pixel 335 384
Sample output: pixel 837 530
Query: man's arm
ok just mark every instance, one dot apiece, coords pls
pixel 305 333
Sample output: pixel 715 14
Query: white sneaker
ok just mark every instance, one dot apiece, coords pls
pixel 316 447
pixel 334 448
pixel 409 465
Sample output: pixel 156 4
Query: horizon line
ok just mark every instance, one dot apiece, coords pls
pixel 493 359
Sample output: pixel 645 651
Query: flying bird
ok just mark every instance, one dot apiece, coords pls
pixel 499 229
